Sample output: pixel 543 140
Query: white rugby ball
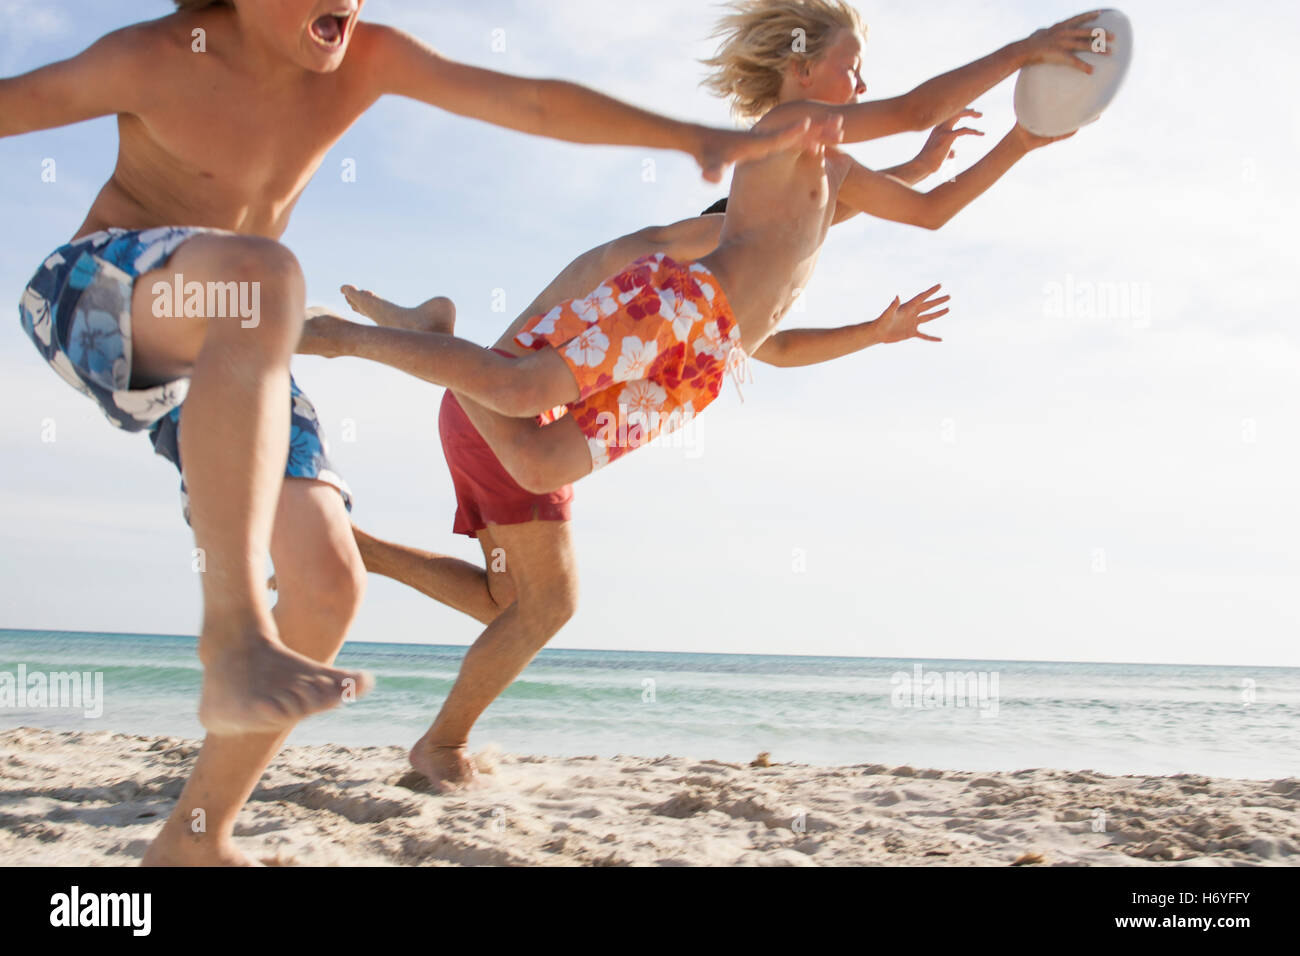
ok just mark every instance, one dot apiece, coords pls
pixel 1053 99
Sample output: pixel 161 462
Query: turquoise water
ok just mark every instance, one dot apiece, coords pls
pixel 1115 718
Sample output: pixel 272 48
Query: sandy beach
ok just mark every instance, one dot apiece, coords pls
pixel 98 798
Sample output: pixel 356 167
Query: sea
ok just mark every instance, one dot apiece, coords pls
pixel 973 715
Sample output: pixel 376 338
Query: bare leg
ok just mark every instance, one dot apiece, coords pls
pixel 321 585
pixel 458 584
pixel 539 554
pixel 436 315
pixel 234 442
pixel 540 459
pixel 686 240
pixel 540 561
pixel 520 388
pixel 500 584
pixel 549 458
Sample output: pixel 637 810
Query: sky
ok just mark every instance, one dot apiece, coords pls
pixel 1057 480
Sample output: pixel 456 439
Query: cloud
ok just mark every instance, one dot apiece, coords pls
pixel 31 24
pixel 1162 439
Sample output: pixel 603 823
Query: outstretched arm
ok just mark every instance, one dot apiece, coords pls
pixel 797 348
pixel 944 95
pixel 566 111
pixel 879 195
pixel 937 150
pixel 106 79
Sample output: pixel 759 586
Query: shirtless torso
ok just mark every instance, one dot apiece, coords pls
pixel 779 214
pixel 211 142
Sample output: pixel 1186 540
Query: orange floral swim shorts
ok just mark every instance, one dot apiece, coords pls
pixel 649 350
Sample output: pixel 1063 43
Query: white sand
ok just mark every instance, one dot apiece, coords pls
pixel 99 798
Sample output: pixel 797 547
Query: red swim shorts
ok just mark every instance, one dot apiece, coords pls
pixel 485 492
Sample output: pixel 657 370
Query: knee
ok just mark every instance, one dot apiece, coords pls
pixel 254 259
pixel 552 606
pixel 254 256
pixel 530 461
pixel 563 603
pixel 502 590
pixel 536 476
pixel 273 278
pixel 519 395
pixel 528 387
pixel 337 579
pixel 342 579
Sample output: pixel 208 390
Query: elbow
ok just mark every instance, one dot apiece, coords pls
pixel 542 105
pixel 919 112
pixel 943 218
pixel 773 353
pixel 929 221
pixel 932 216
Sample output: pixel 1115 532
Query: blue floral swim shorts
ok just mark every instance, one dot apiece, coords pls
pixel 77 312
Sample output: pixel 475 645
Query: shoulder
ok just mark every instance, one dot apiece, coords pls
pixel 392 60
pixel 788 113
pixel 179 32
pixel 381 43
pixel 132 60
pixel 147 51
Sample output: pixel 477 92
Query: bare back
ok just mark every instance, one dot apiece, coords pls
pixel 780 211
pixel 212 142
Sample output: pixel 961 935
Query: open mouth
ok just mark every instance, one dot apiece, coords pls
pixel 331 30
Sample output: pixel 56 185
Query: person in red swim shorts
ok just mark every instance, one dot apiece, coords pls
pixel 486 494
pixel 654 340
pixel 527 589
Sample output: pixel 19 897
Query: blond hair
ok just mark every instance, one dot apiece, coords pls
pixel 760 38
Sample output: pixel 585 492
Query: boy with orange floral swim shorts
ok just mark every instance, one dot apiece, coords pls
pixel 640 374
pixel 658 337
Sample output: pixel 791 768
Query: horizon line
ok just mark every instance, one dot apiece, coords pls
pixel 595 650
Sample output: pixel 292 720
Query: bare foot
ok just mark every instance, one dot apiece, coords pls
pixel 252 684
pixel 325 334
pixel 448 769
pixel 436 315
pixel 176 845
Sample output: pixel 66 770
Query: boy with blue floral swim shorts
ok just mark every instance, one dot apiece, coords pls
pixel 139 313
pixel 76 311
